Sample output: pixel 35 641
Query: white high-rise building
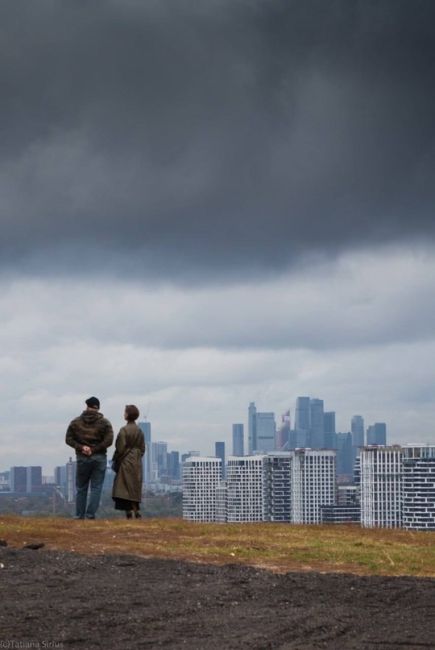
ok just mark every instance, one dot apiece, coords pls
pixel 245 489
pixel 298 483
pixel 278 486
pixel 281 486
pixel 381 487
pixel 201 478
pixel 313 484
pixel 221 502
pixel 418 487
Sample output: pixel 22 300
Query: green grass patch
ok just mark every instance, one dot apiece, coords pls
pixel 280 547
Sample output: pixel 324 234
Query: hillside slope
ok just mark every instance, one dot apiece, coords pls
pixel 66 600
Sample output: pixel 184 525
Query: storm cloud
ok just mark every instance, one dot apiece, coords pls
pixel 208 203
pixel 357 332
pixel 224 138
pixel 359 301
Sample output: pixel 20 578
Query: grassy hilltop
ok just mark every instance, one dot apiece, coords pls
pixel 279 547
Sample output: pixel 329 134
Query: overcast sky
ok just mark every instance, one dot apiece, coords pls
pixel 208 203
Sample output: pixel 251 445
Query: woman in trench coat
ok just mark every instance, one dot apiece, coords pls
pixel 129 449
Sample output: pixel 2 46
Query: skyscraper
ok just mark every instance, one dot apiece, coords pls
pixel 245 489
pixel 329 430
pixel 60 478
pixel 33 479
pixel 283 435
pixel 173 463
pixel 252 427
pixel 219 452
pixel 317 437
pixel 159 460
pixel 18 479
pixel 381 487
pixel 357 430
pixel 221 502
pixel 280 486
pixel 344 456
pixel 201 477
pixel 71 467
pixel 313 481
pixel 147 460
pixel 238 440
pixel 277 488
pixel 266 432
pixel 302 421
pixel 377 434
pixel 261 430
pixel 418 487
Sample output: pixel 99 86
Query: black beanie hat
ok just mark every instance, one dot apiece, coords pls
pixel 93 402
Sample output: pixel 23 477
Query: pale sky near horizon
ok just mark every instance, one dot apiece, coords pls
pixel 207 204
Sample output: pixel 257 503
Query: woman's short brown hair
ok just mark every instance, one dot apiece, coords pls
pixel 131 412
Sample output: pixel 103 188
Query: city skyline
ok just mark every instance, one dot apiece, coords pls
pixel 244 216
pixel 390 487
pixel 206 448
pixel 387 486
pixel 263 433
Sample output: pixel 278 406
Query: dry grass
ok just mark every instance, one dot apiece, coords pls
pixel 279 547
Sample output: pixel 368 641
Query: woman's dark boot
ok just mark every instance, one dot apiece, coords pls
pixel 129 514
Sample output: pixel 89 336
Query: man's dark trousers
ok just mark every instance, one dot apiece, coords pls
pixel 90 473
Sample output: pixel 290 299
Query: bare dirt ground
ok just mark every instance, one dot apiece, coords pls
pixel 66 600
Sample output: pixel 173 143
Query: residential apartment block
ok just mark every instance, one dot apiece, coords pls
pixel 281 486
pixel 313 484
pixel 221 502
pixel 201 478
pixel 381 487
pixel 394 487
pixel 418 487
pixel 277 486
pixel 245 489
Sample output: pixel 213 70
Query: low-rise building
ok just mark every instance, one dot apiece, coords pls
pixel 340 514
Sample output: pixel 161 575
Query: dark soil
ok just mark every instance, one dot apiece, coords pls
pixel 64 600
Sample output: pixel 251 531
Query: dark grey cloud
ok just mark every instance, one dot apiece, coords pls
pixel 226 136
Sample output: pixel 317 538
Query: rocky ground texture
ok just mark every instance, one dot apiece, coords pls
pixel 66 600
